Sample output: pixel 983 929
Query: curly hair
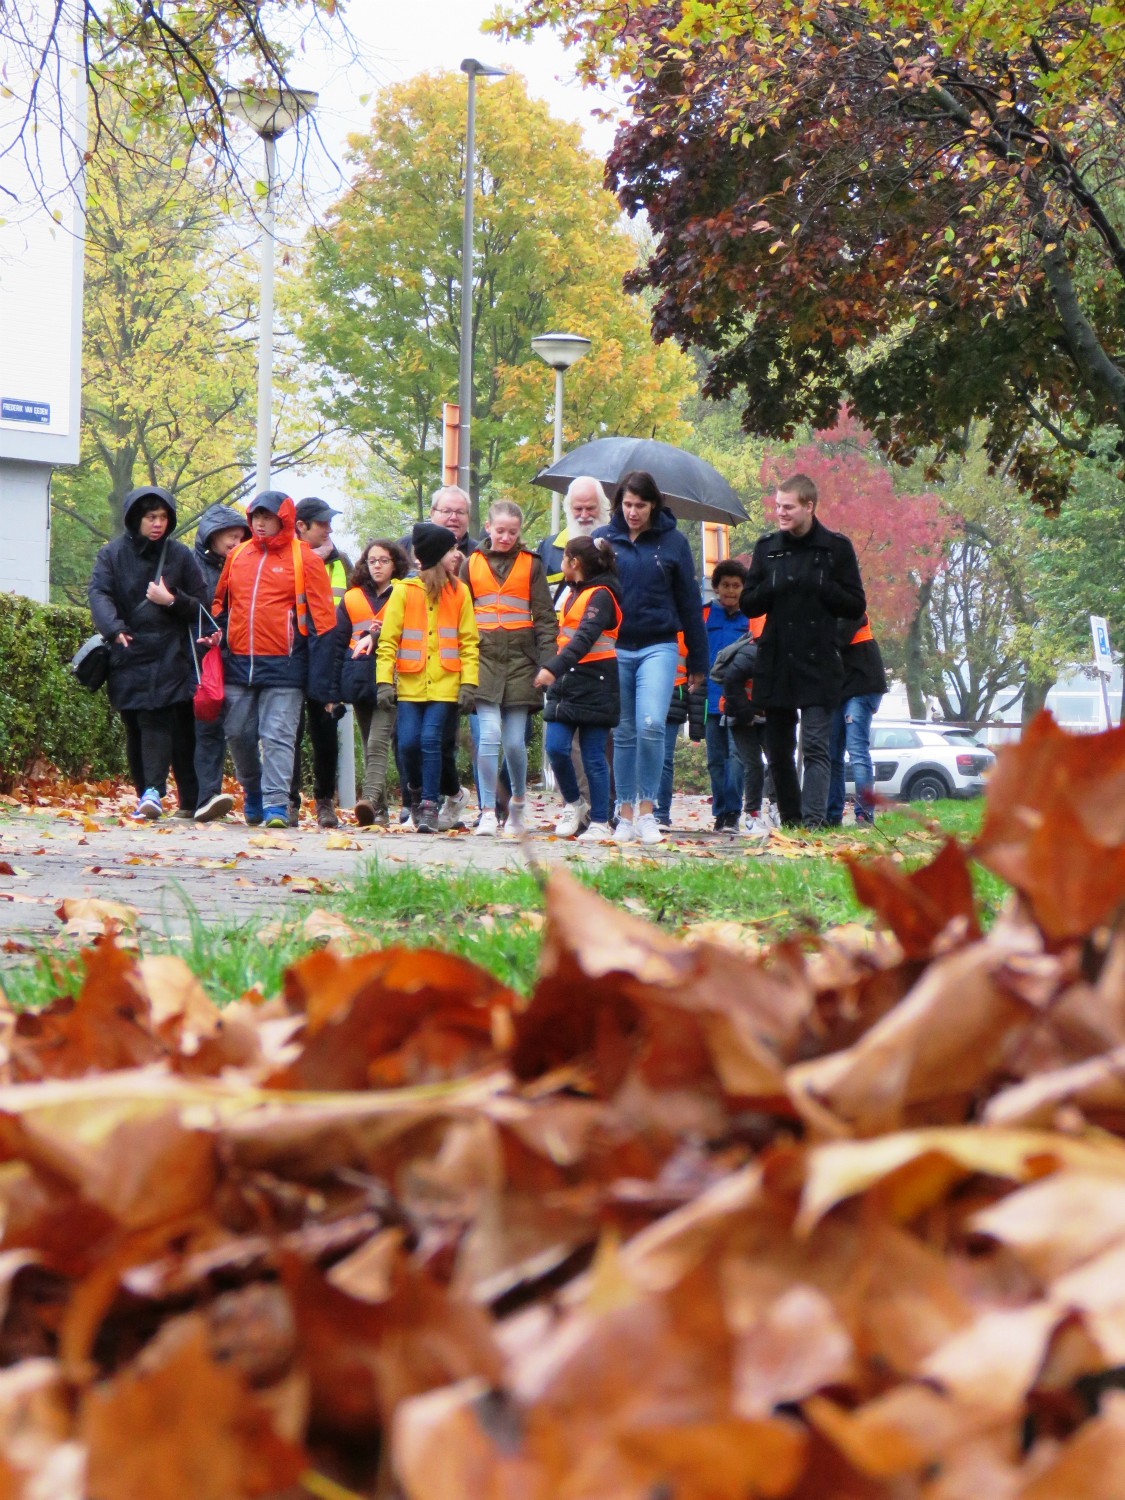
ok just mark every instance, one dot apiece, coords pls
pixel 361 573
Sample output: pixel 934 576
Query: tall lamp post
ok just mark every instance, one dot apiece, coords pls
pixel 560 351
pixel 473 70
pixel 270 113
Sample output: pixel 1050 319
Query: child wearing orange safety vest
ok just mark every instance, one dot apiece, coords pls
pixel 583 693
pixel 359 621
pixel 517 624
pixel 428 646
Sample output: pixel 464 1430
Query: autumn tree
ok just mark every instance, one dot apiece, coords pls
pixel 380 307
pixel 146 64
pixel 169 356
pixel 944 177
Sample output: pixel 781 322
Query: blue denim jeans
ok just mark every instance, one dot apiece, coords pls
pixel 672 733
pixel 851 731
pixel 724 769
pixel 591 744
pixel 268 717
pixel 647 677
pixel 421 729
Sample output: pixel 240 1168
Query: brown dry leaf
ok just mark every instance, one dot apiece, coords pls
pixel 1056 1224
pixel 89 917
pixel 1094 1086
pixel 920 906
pixel 108 1026
pixel 1054 824
pixel 391 1018
pixel 1091 1466
pixel 941 1043
pixel 322 926
pixel 176 1424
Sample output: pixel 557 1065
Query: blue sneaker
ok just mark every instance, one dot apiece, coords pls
pixel 277 817
pixel 252 805
pixel 149 808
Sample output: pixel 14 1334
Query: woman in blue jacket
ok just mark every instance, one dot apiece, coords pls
pixel 659 598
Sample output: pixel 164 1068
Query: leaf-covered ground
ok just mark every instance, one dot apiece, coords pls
pixel 831 1218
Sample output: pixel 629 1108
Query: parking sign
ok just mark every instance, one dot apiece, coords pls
pixel 1103 657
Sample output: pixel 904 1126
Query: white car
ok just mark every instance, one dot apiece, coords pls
pixel 925 762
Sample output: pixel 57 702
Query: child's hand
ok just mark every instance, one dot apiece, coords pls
pixel 363 647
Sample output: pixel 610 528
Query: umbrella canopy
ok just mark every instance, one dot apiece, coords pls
pixel 693 489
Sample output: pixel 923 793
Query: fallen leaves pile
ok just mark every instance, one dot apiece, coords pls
pixel 844 1220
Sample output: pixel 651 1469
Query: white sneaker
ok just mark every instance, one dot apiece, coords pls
pixel 488 826
pixel 453 812
pixel 770 814
pixel 597 833
pixel 625 832
pixel 755 828
pixel 570 819
pixel 518 821
pixel 648 829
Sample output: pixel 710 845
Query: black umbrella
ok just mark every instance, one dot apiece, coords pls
pixel 693 489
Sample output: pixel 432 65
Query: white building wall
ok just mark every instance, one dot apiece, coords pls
pixel 25 537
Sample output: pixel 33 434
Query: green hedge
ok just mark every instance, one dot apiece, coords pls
pixel 44 714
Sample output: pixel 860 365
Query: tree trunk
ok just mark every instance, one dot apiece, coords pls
pixel 1035 692
pixel 915 667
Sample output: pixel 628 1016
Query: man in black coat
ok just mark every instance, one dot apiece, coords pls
pixel 145 594
pixel 803 578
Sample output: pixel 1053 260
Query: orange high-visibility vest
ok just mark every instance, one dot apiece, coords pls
pixel 501 606
pixel 298 582
pixel 605 646
pixel 757 625
pixel 358 606
pixel 862 634
pixel 681 664
pixel 415 624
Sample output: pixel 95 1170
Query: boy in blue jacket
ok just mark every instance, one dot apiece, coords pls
pixel 725 623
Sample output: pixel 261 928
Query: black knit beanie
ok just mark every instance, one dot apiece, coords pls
pixel 431 543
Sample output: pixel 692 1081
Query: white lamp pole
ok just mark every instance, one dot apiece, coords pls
pixel 473 70
pixel 270 113
pixel 560 351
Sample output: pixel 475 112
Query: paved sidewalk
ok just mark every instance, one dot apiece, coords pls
pixel 228 873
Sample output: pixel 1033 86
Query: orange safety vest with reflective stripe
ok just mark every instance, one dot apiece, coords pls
pixel 415 623
pixel 501 606
pixel 298 582
pixel 358 606
pixel 681 664
pixel 605 646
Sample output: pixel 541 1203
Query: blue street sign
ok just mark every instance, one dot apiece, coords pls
pixel 24 411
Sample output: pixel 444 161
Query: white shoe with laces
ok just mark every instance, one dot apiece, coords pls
pixel 625 832
pixel 518 821
pixel 488 826
pixel 597 833
pixel 756 827
pixel 454 812
pixel 648 829
pixel 570 819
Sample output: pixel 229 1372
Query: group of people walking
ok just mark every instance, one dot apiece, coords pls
pixel 602 629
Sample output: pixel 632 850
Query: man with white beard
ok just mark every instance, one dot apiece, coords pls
pixel 585 507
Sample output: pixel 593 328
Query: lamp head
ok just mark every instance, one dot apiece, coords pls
pixel 476 69
pixel 560 350
pixel 269 112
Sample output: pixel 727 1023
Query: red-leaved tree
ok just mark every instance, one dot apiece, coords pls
pixel 899 539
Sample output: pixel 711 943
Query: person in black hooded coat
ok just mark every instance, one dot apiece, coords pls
pixel 145 592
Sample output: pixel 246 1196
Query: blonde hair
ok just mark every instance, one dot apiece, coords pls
pixel 508 508
pixel 433 580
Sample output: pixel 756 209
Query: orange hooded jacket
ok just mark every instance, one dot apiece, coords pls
pixel 270 641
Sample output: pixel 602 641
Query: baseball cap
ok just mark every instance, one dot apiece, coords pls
pixel 312 508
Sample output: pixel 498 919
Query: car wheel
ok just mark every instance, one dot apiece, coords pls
pixel 928 786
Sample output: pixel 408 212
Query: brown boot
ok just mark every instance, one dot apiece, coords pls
pixel 326 813
pixel 364 813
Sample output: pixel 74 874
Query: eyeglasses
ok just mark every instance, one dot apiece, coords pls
pixel 457 515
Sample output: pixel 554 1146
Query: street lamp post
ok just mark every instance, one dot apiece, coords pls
pixel 270 113
pixel 560 351
pixel 473 70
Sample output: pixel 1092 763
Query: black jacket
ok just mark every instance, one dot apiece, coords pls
pixel 587 692
pixel 156 670
pixel 659 589
pixel 864 673
pixel 738 672
pixel 802 585
pixel 353 678
pixel 217 517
